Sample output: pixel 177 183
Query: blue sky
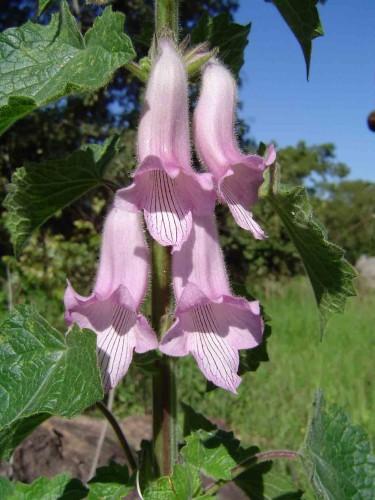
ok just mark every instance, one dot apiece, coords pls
pixel 333 106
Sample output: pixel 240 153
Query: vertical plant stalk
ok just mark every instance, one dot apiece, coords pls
pixel 166 16
pixel 164 399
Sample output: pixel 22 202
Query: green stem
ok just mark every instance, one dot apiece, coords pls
pixel 166 16
pixel 263 457
pixel 121 436
pixel 164 400
pixel 161 276
pixel 251 462
pixel 137 71
pixel 164 417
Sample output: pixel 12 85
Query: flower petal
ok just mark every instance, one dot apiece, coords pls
pixel 168 219
pixel 115 343
pixel 216 359
pixel 119 329
pixel 174 342
pixel 145 336
pixel 237 174
pixel 234 198
pixel 240 321
pixel 164 126
pixel 196 331
pixel 213 331
pixel 124 260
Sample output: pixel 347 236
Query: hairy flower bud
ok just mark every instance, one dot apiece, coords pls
pixel 165 186
pixel 112 310
pixel 238 175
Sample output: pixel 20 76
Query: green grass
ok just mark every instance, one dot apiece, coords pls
pixel 273 405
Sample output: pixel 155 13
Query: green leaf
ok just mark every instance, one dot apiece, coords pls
pixel 43 5
pixel 41 64
pixel 302 17
pixel 111 482
pixel 15 109
pixel 230 38
pixel 11 437
pixel 337 455
pixel 215 453
pixel 330 274
pixel 184 483
pixel 38 190
pixel 61 487
pixel 43 371
pixel 261 483
pixel 194 421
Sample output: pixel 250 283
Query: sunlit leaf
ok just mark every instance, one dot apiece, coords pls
pixel 215 453
pixel 43 371
pixel 337 455
pixel 184 483
pixel 330 274
pixel 41 64
pixel 302 17
pixel 63 487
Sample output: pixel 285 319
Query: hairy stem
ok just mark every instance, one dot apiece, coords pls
pixel 164 416
pixel 121 436
pixel 166 16
pixel 263 457
pixel 164 402
pixel 164 399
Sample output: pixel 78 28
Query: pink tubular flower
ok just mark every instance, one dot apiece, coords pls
pixel 238 175
pixel 210 323
pixel 165 186
pixel 112 310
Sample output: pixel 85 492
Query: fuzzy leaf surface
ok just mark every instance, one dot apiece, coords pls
pixel 63 487
pixel 215 453
pixel 41 64
pixel 43 371
pixel 302 17
pixel 331 276
pixel 39 190
pixel 337 455
pixel 229 37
